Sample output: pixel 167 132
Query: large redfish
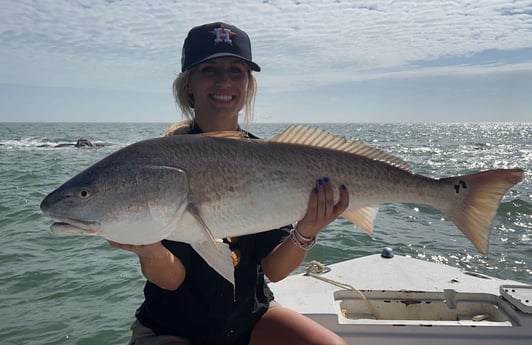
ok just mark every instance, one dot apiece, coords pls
pixel 200 188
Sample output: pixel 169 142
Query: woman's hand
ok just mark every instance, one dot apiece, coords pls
pixel 321 211
pixel 321 208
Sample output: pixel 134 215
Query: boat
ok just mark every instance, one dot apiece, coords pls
pixel 393 299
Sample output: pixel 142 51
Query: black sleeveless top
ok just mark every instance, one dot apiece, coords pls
pixel 205 308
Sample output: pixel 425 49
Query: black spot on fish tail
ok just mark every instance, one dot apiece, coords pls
pixel 461 184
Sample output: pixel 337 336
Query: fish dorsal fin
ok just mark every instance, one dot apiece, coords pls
pixel 310 136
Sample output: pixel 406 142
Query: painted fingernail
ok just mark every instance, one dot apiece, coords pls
pixel 326 179
pixel 315 190
pixel 320 181
pixel 344 187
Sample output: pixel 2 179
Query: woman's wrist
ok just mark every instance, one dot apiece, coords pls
pixel 302 235
pixel 301 241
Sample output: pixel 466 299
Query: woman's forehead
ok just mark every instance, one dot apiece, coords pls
pixel 224 60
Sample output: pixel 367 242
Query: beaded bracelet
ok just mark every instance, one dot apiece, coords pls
pixel 300 235
pixel 300 241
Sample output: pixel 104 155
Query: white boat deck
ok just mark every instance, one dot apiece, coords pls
pixel 408 301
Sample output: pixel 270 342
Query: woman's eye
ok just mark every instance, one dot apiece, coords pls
pixel 236 70
pixel 207 70
pixel 233 71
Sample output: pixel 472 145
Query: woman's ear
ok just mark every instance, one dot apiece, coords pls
pixel 190 95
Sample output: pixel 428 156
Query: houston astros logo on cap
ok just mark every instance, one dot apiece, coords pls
pixel 222 35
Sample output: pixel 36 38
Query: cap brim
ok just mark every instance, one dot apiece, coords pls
pixel 251 64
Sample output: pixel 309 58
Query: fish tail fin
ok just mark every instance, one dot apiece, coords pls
pixel 479 196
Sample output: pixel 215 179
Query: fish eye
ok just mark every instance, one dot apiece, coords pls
pixel 84 193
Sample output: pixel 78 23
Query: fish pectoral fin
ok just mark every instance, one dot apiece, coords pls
pixel 219 258
pixel 194 211
pixel 363 217
pixel 215 253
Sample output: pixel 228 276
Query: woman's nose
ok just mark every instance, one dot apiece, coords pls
pixel 222 78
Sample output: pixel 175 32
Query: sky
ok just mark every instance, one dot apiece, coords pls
pixel 322 61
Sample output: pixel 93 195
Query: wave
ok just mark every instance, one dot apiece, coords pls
pixel 32 143
pixel 517 205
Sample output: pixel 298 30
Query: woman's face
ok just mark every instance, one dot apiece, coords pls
pixel 219 87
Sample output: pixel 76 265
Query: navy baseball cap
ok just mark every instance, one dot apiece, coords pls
pixel 214 40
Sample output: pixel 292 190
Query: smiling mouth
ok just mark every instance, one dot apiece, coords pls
pixel 222 98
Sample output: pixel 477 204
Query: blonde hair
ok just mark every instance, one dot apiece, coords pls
pixel 186 103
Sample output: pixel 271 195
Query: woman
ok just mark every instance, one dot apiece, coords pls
pixel 186 302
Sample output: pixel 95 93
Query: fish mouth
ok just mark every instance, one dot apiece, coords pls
pixel 75 226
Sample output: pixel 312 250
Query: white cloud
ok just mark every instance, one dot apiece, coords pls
pixel 136 45
pixel 132 37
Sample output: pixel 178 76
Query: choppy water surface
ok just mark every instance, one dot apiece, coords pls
pixel 79 290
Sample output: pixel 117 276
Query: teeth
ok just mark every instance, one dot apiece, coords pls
pixel 222 98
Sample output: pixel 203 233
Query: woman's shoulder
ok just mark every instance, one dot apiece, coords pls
pixel 178 128
pixel 189 127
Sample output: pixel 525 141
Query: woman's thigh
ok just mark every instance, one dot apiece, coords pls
pixel 284 326
pixel 142 335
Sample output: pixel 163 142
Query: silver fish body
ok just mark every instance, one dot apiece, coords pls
pixel 198 188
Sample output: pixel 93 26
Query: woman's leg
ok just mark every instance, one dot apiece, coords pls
pixel 142 335
pixel 282 326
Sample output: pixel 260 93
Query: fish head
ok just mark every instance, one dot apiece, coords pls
pixel 125 203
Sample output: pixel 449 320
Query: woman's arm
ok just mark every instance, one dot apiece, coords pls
pixel 158 264
pixel 321 211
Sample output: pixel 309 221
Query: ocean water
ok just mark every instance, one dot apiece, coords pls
pixel 79 290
